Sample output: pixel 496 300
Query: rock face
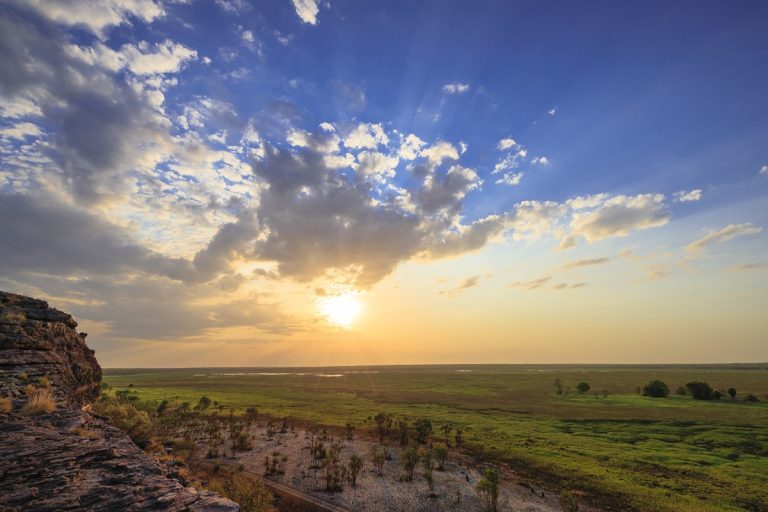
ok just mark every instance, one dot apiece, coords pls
pixel 40 342
pixel 69 459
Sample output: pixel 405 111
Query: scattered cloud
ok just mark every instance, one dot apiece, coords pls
pixel 763 170
pixel 455 88
pixel 687 196
pixel 587 262
pixel 566 286
pixel 366 136
pixel 729 232
pixel 746 267
pixel 96 16
pixel 505 144
pixel 540 160
pixel 552 111
pixel 510 178
pixel 469 282
pixel 532 285
pixel 307 10
pixel 617 215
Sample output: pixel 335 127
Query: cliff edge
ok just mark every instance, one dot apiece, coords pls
pixel 67 459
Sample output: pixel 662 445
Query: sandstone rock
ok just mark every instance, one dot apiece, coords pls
pixel 69 459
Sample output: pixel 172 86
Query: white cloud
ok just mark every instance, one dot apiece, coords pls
pixel 410 147
pixel 366 136
pixel 763 170
pixel 510 178
pixel 378 165
pixel 619 215
pixel 19 107
pixel 552 111
pixel 507 143
pixel 165 57
pixel 455 88
pixel 510 161
pixel 463 146
pixel 440 151
pixel 691 195
pixel 339 161
pixel 540 160
pixel 326 143
pixel 328 127
pixel 21 131
pixel 307 10
pixel 729 232
pixel 99 15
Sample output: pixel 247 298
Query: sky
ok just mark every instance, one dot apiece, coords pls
pixel 310 182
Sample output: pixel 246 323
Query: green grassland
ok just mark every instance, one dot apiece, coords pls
pixel 626 451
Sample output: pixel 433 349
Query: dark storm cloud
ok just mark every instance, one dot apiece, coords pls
pixel 40 234
pixel 311 220
pixel 98 124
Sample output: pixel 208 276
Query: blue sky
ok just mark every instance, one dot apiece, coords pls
pixel 264 157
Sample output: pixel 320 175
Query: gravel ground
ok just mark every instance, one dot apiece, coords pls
pixel 388 492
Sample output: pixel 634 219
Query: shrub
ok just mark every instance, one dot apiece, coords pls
pixel 569 502
pixel 751 398
pixel 583 387
pixel 242 442
pixel 441 455
pixel 717 395
pixel 423 430
pixel 681 391
pixel 732 393
pixel 127 418
pixel 40 402
pixel 656 389
pixel 250 494
pixel 409 459
pixel 488 489
pixel 5 405
pixel 355 465
pixel 700 390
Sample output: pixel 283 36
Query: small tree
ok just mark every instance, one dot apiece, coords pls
pixel 558 386
pixel 355 465
pixel 441 455
pixel 656 389
pixel 204 403
pixel 751 398
pixel 583 387
pixel 378 458
pixel 700 390
pixel 350 431
pixel 488 489
pixel 423 430
pixel 732 393
pixel 717 395
pixel 409 458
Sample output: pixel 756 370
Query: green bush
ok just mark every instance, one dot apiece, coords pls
pixel 656 389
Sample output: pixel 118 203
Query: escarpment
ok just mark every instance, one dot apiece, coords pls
pixel 59 457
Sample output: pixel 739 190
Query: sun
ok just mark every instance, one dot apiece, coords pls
pixel 341 310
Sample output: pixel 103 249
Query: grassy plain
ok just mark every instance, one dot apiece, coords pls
pixel 626 451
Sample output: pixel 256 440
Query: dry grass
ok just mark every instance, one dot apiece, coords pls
pixel 5 405
pixel 84 432
pixel 40 402
pixel 44 382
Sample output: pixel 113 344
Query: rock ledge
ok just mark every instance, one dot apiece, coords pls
pixel 70 459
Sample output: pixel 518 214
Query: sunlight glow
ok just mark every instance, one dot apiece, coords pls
pixel 341 310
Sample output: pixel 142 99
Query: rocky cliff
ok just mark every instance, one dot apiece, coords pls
pixel 68 459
